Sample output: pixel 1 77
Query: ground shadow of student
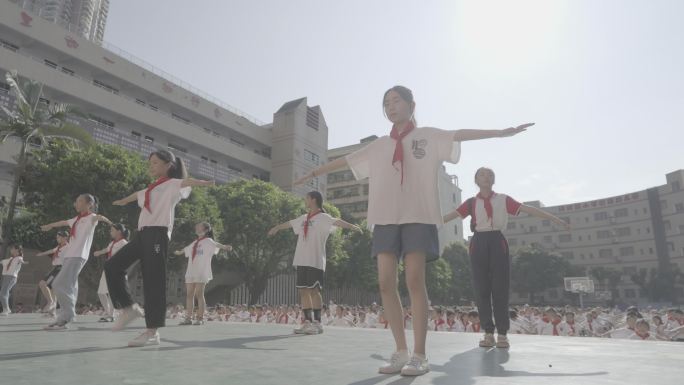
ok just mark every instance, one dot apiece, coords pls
pixel 463 368
pixel 228 343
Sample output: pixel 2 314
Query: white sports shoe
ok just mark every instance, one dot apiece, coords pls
pixel 396 363
pixel 145 339
pixel 127 316
pixel 302 328
pixel 416 366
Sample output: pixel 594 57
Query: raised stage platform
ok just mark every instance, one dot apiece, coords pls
pixel 226 353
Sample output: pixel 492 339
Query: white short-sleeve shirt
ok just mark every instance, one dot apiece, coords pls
pixel 115 247
pixel 310 251
pixel 199 270
pixel 502 206
pixel 79 245
pixel 163 201
pixel 11 266
pixel 417 199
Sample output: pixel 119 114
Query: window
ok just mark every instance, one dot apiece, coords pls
pixel 101 121
pixel 365 189
pixel 513 242
pixel 623 232
pixel 568 255
pixel 9 46
pixel 141 102
pixel 149 139
pixel 237 142
pixel 180 118
pixel 50 64
pixel 67 71
pixel 135 134
pixel 311 157
pixel 154 108
pixel 178 148
pixel 510 226
pixel 564 238
pixel 676 186
pixel 105 86
pixel 532 229
pixel 546 223
pixel 548 239
pixel 236 169
pixel 663 204
pixel 630 293
pixel 627 251
pixel 667 225
pixel 600 216
pixel 679 207
pixel 606 253
pixel 603 234
pixel 455 230
pixel 312 118
pixel 619 213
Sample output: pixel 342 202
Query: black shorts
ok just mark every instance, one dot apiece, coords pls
pixel 309 277
pixel 406 238
pixel 50 277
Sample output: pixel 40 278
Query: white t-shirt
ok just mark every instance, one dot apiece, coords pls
pixel 310 251
pixel 502 207
pixel 648 337
pixel 79 245
pixel 57 260
pixel 11 266
pixel 163 201
pixel 115 247
pixel 417 199
pixel 199 270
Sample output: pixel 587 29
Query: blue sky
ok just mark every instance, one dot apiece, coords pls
pixel 603 80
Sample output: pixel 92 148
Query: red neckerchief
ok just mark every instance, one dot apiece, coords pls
pixel 451 323
pixel 308 218
pixel 439 323
pixel 281 318
pixel 643 336
pixel 681 322
pixel 56 253
pixel 194 247
pixel 572 325
pixel 476 327
pixel 151 187
pixel 590 321
pixel 399 148
pixel 111 247
pixel 487 204
pixel 72 232
pixel 555 327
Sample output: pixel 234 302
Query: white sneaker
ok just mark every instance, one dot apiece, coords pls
pixel 145 339
pixel 488 341
pixel 56 327
pixel 312 328
pixel 416 366
pixel 5 313
pixel 185 322
pixel 199 322
pixel 127 316
pixel 396 363
pixel 319 326
pixel 302 328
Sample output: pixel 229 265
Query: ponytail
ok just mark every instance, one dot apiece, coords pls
pixel 315 195
pixel 122 229
pixel 177 168
pixel 208 230
pixel 92 199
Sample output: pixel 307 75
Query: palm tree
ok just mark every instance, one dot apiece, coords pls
pixel 33 122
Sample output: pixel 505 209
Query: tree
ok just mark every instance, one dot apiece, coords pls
pixel 201 206
pixel 356 267
pixel 439 281
pixel 607 277
pixel 33 122
pixel 534 270
pixel 57 174
pixel 249 209
pixel 456 254
pixel 659 286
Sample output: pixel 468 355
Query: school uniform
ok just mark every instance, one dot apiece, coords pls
pixel 149 246
pixel 568 329
pixel 473 328
pixel 102 290
pixel 489 257
pixel 403 197
pixel 642 337
pixel 545 328
pixel 76 254
pixel 312 232
pixel 199 254
pixel 622 333
pixel 57 257
pixel 10 272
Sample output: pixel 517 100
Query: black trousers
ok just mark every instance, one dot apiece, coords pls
pixel 491 271
pixel 149 246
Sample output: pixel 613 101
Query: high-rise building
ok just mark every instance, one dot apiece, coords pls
pixel 87 18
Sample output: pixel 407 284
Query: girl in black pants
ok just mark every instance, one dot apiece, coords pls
pixel 149 245
pixel 489 256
